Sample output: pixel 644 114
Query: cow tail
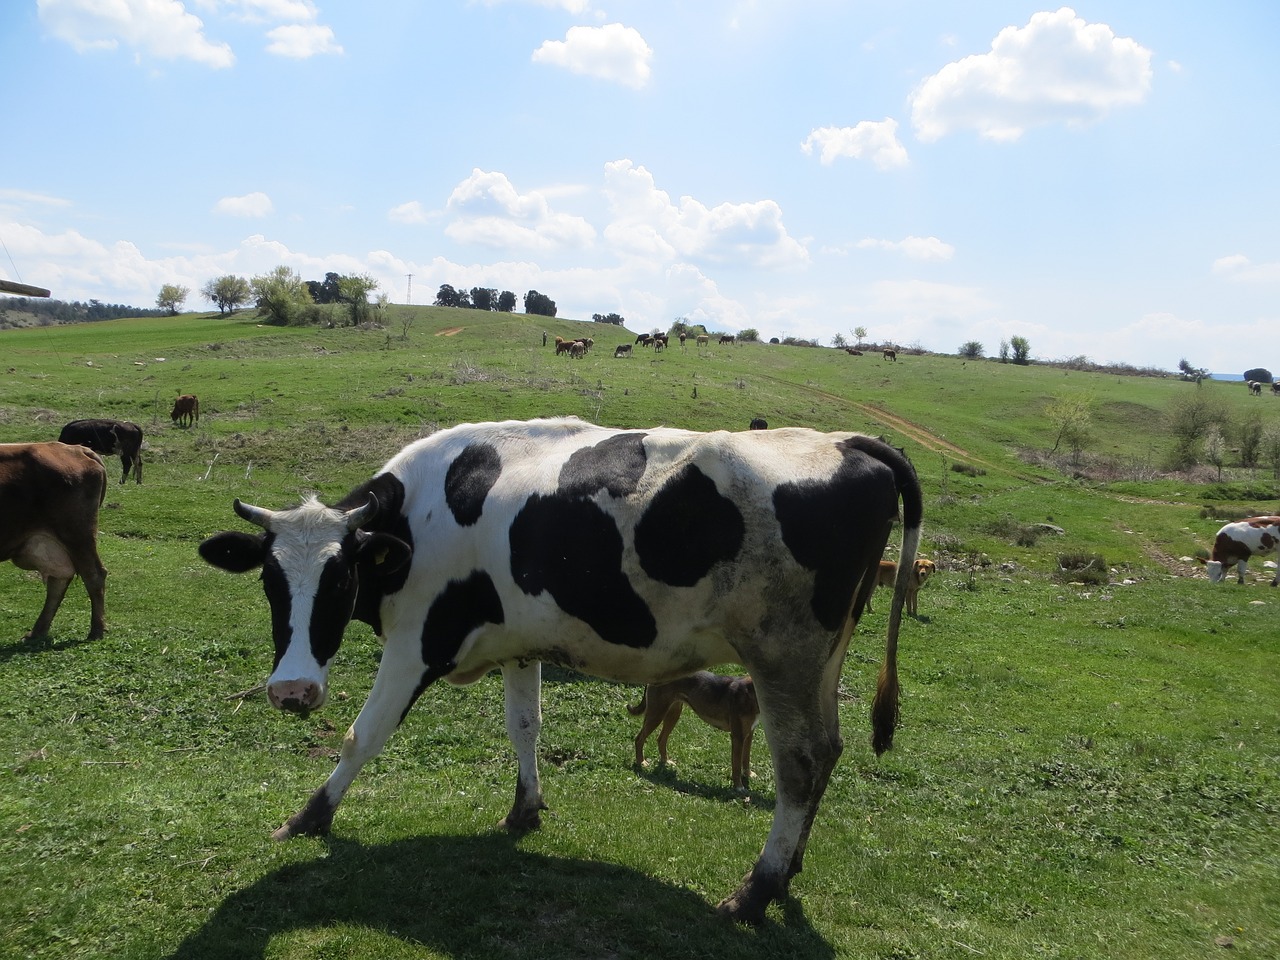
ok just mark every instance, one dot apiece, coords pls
pixel 639 707
pixel 884 708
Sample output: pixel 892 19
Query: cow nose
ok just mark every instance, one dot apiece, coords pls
pixel 297 696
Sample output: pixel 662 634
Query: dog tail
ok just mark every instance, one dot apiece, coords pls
pixel 639 707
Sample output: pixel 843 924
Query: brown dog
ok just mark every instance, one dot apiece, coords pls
pixel 727 703
pixel 888 573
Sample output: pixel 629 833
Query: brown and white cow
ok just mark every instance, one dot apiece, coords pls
pixel 1237 542
pixel 622 350
pixel 49 499
pixel 186 410
pixel 109 437
pixel 637 555
pixel 891 355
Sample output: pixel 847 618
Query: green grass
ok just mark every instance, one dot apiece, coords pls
pixel 1082 770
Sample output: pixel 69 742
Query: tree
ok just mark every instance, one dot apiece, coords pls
pixel 1192 373
pixel 539 304
pixel 1071 417
pixel 1021 350
pixel 282 297
pixel 171 297
pixel 972 350
pixel 328 292
pixel 446 296
pixel 506 302
pixel 484 298
pixel 839 342
pixel 859 334
pixel 354 292
pixel 749 335
pixel 1215 447
pixel 1004 351
pixel 1259 375
pixel 227 293
pixel 613 318
pixel 1190 418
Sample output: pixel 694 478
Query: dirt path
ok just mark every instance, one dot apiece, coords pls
pixel 448 331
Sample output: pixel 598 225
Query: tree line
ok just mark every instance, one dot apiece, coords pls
pixel 74 311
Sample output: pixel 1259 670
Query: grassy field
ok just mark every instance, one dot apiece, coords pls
pixel 1083 770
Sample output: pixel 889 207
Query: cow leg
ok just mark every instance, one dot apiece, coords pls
pixel 522 690
pixel 1240 568
pixel 89 565
pixel 803 732
pixel 395 688
pixel 55 588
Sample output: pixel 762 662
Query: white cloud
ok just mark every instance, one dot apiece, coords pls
pixel 161 28
pixel 576 7
pixel 271 11
pixel 301 40
pixel 487 209
pixel 10 196
pixel 646 223
pixel 869 140
pixel 916 248
pixel 1056 69
pixel 411 212
pixel 612 52
pixel 1238 267
pixel 250 205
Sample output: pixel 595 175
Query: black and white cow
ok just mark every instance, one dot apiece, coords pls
pixel 637 555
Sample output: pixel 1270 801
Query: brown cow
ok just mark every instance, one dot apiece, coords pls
pixel 109 437
pixel 49 499
pixel 186 410
pixel 891 355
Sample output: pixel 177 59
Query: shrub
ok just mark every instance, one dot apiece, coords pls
pixel 1083 568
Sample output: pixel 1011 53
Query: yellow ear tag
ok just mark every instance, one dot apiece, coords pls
pixel 381 557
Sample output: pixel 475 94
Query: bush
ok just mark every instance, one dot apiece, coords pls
pixel 1083 568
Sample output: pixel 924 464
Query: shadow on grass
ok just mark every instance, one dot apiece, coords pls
pixel 665 775
pixel 484 897
pixel 44 644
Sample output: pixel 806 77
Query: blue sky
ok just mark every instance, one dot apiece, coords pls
pixel 1100 179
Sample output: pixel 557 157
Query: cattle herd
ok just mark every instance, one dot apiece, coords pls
pixel 640 556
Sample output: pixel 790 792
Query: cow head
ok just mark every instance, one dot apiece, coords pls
pixel 313 558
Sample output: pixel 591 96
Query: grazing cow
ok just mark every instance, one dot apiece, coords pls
pixel 659 344
pixel 577 350
pixel 186 410
pixel 49 499
pixel 726 338
pixel 622 350
pixel 1237 542
pixel 683 338
pixel 564 346
pixel 637 555
pixel 1275 388
pixel 640 337
pixel 891 355
pixel 109 437
pixel 703 340
pixel 759 423
pixel 1254 387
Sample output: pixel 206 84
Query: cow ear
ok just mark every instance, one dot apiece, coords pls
pixel 235 551
pixel 387 553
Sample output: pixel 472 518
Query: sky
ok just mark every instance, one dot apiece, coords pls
pixel 1102 180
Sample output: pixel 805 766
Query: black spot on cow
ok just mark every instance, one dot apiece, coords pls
pixel 687 528
pixel 334 603
pixel 572 549
pixel 469 479
pixel 833 528
pixel 461 606
pixel 614 465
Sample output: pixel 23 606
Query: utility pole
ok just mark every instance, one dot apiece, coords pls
pixel 408 294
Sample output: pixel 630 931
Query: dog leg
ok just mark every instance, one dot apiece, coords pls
pixel 668 724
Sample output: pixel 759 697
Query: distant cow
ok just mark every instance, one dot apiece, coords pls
pixel 49 499
pixel 1237 542
pixel 683 336
pixel 759 423
pixel 638 555
pixel 702 340
pixel 109 437
pixel 622 350
pixel 577 350
pixel 891 355
pixel 852 352
pixel 726 338
pixel 186 410
pixel 1275 388
pixel 1254 387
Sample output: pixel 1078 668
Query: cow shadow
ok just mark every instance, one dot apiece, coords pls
pixel 464 896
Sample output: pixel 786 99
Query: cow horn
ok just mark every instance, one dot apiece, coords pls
pixel 256 515
pixel 360 515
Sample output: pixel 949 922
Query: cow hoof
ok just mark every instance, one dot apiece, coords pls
pixel 313 820
pixel 749 902
pixel 523 821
